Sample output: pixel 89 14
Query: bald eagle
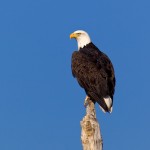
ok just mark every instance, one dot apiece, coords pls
pixel 93 71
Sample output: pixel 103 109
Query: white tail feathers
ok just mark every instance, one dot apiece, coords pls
pixel 108 102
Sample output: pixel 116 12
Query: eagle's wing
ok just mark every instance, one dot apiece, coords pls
pixel 108 72
pixel 89 77
pixel 94 74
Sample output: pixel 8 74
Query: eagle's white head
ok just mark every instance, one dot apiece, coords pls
pixel 82 38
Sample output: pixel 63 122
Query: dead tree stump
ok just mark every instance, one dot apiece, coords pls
pixel 90 135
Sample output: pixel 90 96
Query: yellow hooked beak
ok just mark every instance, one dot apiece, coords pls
pixel 73 35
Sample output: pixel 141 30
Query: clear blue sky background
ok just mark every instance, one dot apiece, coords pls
pixel 41 104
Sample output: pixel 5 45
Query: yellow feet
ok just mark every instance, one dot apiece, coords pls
pixel 86 101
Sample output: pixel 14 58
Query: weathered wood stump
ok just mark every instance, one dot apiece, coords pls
pixel 90 135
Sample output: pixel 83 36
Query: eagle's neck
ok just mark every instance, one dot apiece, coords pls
pixel 83 41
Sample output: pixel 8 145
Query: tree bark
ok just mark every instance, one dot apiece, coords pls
pixel 90 135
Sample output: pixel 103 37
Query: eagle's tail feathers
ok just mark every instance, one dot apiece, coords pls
pixel 108 102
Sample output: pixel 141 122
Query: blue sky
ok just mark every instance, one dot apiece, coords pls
pixel 41 104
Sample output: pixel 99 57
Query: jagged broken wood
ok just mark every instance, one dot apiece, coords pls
pixel 90 135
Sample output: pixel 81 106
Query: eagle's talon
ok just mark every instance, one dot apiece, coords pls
pixel 86 102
